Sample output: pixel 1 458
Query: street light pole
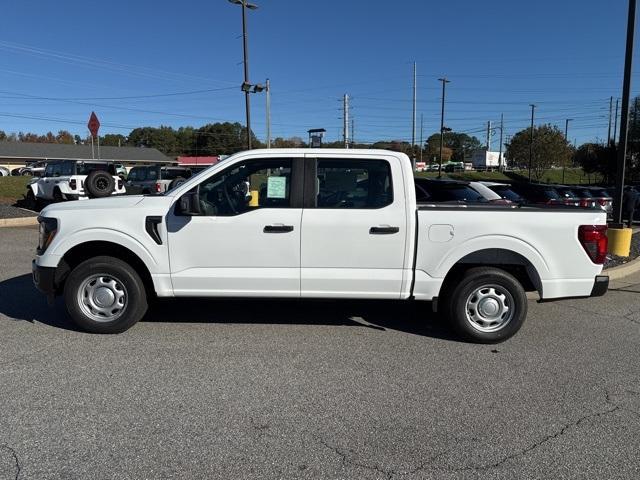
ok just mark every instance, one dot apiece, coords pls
pixel 268 89
pixel 245 86
pixel 533 109
pixel 566 138
pixel 624 123
pixel 444 85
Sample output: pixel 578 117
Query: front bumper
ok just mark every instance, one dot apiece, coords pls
pixel 44 278
pixel 600 286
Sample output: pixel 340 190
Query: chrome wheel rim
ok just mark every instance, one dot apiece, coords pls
pixel 102 298
pixel 489 308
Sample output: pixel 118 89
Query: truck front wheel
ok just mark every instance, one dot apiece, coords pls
pixel 487 305
pixel 105 295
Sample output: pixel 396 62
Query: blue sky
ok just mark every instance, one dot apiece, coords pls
pixel 60 60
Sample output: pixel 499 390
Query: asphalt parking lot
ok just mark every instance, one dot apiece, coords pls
pixel 265 389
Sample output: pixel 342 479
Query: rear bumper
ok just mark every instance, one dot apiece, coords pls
pixel 600 286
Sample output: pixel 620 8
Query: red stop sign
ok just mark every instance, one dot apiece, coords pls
pixel 94 124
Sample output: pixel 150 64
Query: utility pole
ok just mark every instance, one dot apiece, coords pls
pixel 624 124
pixel 615 121
pixel 500 162
pixel 421 133
pixel 268 92
pixel 489 136
pixel 533 109
pixel 353 130
pixel 345 107
pixel 566 138
pixel 415 99
pixel 444 85
pixel 610 116
pixel 246 85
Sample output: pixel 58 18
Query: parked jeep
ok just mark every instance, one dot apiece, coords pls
pixel 73 180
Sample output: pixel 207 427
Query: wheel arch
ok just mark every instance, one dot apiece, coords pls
pixel 502 258
pixel 86 250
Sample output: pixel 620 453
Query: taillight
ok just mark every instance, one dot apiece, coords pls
pixel 593 239
pixel 584 202
pixel 158 187
pixel 602 202
pixel 72 184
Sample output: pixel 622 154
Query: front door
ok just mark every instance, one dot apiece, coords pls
pixel 354 229
pixel 246 241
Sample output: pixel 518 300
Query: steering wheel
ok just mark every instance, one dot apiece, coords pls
pixel 228 199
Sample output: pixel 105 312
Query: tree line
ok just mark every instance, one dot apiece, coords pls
pixel 549 148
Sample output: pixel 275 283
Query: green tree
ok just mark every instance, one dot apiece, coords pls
pixel 550 149
pixel 113 140
pixel 222 139
pixel 460 145
pixel 597 158
pixel 293 142
pixel 65 137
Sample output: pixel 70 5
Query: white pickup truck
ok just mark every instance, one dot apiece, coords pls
pixel 316 223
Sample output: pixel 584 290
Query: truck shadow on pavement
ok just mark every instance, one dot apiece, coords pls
pixel 19 300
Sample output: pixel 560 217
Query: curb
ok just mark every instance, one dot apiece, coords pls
pixel 622 271
pixel 18 222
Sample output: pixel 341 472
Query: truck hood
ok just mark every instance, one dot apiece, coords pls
pixel 114 202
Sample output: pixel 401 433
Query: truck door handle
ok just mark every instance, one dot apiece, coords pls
pixel 386 230
pixel 278 228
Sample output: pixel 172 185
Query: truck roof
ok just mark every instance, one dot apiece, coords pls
pixel 323 151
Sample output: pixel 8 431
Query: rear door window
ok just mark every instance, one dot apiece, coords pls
pixel 354 184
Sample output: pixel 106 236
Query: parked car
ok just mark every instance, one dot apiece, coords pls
pixel 121 170
pixel 451 191
pixel 35 169
pixel 569 196
pixel 489 194
pixel 316 223
pixel 602 198
pixel 537 193
pixel 505 192
pixel 151 179
pixel 4 172
pixel 73 180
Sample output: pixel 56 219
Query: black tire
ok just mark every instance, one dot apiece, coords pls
pixel 176 182
pixel 486 305
pixel 99 184
pixel 57 195
pixel 118 277
pixel 30 200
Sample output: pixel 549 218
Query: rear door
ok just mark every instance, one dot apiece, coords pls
pixel 354 228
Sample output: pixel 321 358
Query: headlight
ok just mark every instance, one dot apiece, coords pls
pixel 48 229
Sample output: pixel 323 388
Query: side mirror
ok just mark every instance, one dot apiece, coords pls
pixel 189 204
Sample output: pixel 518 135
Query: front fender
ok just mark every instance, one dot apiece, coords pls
pixel 66 242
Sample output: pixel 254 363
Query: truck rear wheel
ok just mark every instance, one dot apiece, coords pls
pixel 487 305
pixel 105 295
